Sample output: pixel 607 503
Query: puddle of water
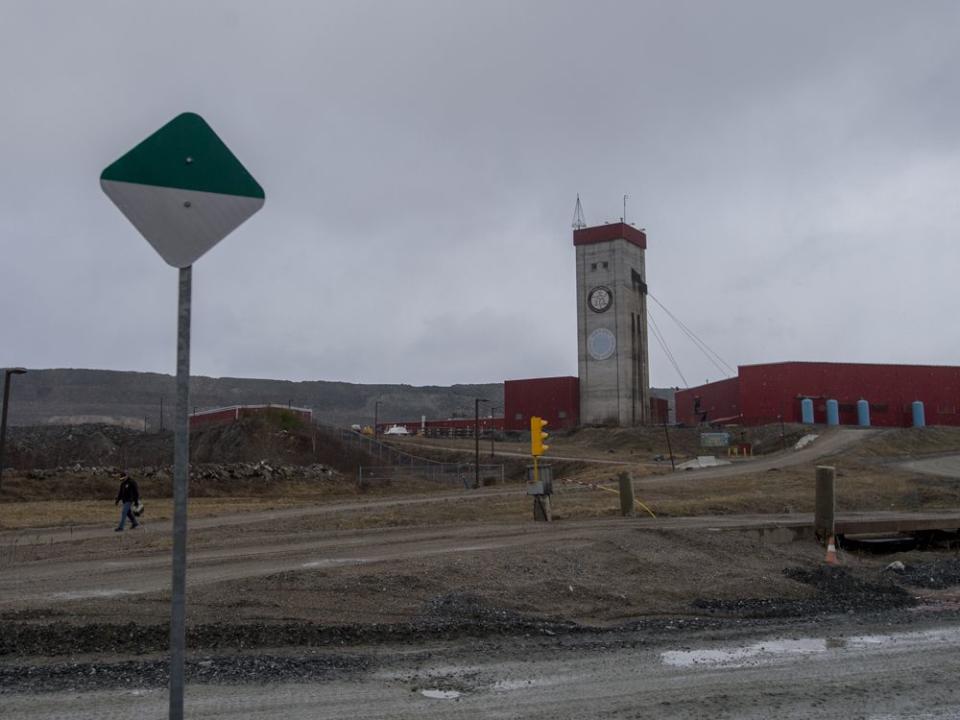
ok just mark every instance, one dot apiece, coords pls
pixel 773 649
pixel 759 652
pixel 908 639
pixel 441 694
pixel 90 594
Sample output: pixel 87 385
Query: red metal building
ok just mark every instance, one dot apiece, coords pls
pixel 763 393
pixel 555 399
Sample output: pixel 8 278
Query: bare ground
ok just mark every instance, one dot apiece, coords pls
pixel 320 564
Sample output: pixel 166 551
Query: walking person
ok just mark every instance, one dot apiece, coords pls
pixel 129 495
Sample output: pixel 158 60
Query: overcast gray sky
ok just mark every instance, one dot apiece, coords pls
pixel 796 167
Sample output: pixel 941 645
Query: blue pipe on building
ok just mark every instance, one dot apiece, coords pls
pixel 833 412
pixel 919 417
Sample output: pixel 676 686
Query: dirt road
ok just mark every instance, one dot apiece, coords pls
pixel 73 573
pixel 251 545
pixel 461 448
pixel 829 442
pixel 835 670
pixel 945 466
pixel 51 535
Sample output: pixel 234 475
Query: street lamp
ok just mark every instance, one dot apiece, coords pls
pixel 3 414
pixel 476 440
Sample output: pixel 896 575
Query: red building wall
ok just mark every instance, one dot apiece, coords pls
pixel 719 400
pixel 659 410
pixel 555 399
pixel 768 390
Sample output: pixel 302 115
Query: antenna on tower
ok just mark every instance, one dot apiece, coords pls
pixel 578 222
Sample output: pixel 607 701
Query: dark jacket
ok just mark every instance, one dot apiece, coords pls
pixel 129 492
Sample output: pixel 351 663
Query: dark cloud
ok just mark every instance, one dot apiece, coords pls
pixel 795 165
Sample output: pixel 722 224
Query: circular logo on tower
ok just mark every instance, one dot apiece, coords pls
pixel 601 344
pixel 599 299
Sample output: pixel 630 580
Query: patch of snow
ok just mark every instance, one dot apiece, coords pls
pixel 702 461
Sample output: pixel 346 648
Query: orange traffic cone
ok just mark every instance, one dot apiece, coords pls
pixel 831 558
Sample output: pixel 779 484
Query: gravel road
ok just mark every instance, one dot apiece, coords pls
pixel 839 669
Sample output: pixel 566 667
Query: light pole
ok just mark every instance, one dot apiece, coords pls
pixel 376 416
pixel 476 441
pixel 3 414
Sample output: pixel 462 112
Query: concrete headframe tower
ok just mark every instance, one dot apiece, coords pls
pixel 612 324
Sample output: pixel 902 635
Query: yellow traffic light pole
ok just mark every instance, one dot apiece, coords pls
pixel 537 448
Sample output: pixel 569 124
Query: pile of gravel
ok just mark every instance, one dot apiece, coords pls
pixel 933 574
pixel 836 591
pixel 59 639
pixel 243 669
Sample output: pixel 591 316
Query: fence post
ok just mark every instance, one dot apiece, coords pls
pixel 626 494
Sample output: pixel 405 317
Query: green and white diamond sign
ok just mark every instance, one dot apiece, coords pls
pixel 182 189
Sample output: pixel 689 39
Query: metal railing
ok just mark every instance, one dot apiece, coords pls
pixel 393 464
pixel 385 454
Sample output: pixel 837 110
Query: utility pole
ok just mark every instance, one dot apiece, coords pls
pixel 376 417
pixel 476 441
pixel 669 447
pixel 3 414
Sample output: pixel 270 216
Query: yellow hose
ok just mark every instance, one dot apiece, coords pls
pixel 636 502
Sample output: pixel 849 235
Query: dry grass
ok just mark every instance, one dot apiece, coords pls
pixel 908 442
pixel 860 487
pixel 867 480
pixel 50 513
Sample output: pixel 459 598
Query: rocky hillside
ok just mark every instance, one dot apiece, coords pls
pixel 251 440
pixel 68 397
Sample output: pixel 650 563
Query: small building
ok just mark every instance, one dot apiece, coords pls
pixel 766 393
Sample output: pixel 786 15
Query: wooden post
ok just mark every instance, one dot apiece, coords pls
pixel 825 502
pixel 626 494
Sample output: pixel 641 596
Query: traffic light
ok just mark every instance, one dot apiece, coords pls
pixel 537 436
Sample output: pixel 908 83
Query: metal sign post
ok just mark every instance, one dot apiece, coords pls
pixel 184 191
pixel 181 476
